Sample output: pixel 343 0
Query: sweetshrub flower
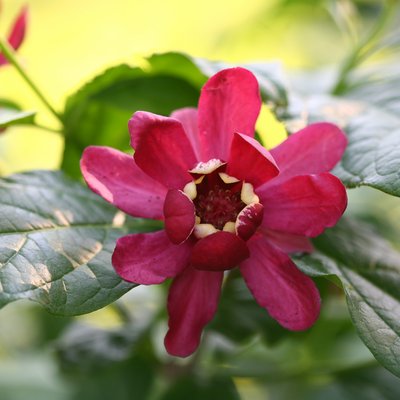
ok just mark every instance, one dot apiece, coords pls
pixel 226 202
pixel 17 33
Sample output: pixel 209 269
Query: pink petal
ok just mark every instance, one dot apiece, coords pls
pixel 19 28
pixel 219 251
pixel 192 303
pixel 304 205
pixel 248 220
pixel 163 150
pixel 18 32
pixel 150 258
pixel 286 241
pixel 180 216
pixel 229 102
pixel 115 176
pixel 278 285
pixel 250 162
pixel 188 118
pixel 316 148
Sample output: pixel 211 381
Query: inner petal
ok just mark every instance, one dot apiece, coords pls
pixel 218 202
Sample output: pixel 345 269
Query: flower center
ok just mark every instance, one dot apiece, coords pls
pixel 218 202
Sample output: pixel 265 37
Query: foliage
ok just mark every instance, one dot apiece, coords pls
pixel 57 238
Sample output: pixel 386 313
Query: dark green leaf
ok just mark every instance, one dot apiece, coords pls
pixel 11 116
pixel 98 113
pixel 194 388
pixel 372 156
pixel 86 348
pixel 127 380
pixel 56 241
pixel 368 270
pixel 239 316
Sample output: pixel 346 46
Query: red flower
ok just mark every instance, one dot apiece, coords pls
pixel 17 33
pixel 226 201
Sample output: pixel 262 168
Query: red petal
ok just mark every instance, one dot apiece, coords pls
pixel 192 303
pixel 188 118
pixel 180 216
pixel 278 285
pixel 150 258
pixel 316 148
pixel 248 220
pixel 163 150
pixel 19 28
pixel 219 251
pixel 304 205
pixel 115 176
pixel 250 162
pixel 286 241
pixel 229 102
pixel 18 32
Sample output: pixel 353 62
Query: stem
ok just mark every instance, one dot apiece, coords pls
pixel 47 128
pixel 362 51
pixel 122 312
pixel 9 53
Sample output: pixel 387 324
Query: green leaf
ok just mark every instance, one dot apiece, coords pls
pixel 87 348
pixel 372 157
pixel 98 113
pixel 127 380
pixel 368 270
pixel 11 116
pixel 56 241
pixel 195 388
pixel 240 317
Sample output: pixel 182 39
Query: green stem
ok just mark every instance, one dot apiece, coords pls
pixel 363 50
pixel 9 53
pixel 47 128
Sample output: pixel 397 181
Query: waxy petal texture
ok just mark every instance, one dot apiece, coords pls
pixel 278 285
pixel 180 216
pixel 316 148
pixel 219 251
pixel 162 149
pixel 116 177
pixel 17 33
pixel 250 162
pixel 150 258
pixel 230 102
pixel 188 118
pixel 286 241
pixel 248 220
pixel 304 205
pixel 192 303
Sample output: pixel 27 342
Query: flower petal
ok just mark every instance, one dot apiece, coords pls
pixel 163 150
pixel 278 285
pixel 248 220
pixel 316 148
pixel 150 258
pixel 219 251
pixel 229 102
pixel 286 241
pixel 304 205
pixel 250 162
pixel 17 33
pixel 115 176
pixel 192 303
pixel 188 118
pixel 180 216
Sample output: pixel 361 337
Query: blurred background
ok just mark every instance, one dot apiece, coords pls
pixel 68 42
